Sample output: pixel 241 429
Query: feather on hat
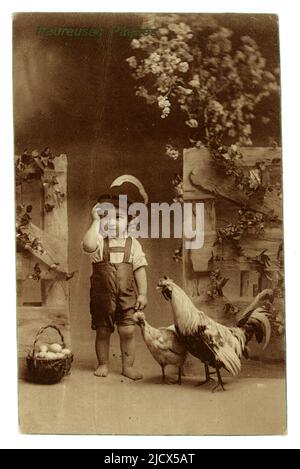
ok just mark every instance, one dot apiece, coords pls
pixel 127 185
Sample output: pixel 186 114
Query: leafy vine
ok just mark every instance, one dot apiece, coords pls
pixel 32 166
pixel 29 167
pixel 248 222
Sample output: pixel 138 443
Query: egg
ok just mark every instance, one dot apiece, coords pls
pixel 51 356
pixel 66 351
pixel 55 348
pixel 59 355
pixel 41 355
pixel 43 348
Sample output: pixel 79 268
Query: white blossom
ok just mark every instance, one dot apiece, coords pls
pixel 183 67
pixel 154 57
pixel 163 102
pixel 135 44
pixel 132 61
pixel 193 123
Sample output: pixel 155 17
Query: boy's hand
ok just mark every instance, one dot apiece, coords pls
pixel 94 213
pixel 141 302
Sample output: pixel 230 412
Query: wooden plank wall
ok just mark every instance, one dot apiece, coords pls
pixel 52 229
pixel 202 183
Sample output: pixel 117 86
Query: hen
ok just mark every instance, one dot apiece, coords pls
pixel 216 345
pixel 163 344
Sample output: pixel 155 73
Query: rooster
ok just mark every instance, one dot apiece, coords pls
pixel 163 344
pixel 216 345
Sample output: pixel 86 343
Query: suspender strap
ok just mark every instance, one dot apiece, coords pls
pixel 126 249
pixel 106 250
pixel 127 252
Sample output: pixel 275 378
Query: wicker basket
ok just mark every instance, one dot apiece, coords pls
pixel 44 371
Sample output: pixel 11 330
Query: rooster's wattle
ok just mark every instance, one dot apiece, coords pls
pixel 216 345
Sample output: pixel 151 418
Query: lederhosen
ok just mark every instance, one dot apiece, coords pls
pixel 112 286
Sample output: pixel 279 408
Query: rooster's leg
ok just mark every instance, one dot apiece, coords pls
pixel 163 375
pixel 179 375
pixel 164 378
pixel 220 382
pixel 207 376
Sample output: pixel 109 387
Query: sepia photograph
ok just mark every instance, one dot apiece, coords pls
pixel 149 224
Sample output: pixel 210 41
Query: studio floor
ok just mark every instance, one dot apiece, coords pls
pixel 253 403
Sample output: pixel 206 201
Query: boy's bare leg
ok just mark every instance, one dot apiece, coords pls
pixel 102 351
pixel 127 343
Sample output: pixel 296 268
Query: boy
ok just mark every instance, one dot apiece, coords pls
pixel 118 266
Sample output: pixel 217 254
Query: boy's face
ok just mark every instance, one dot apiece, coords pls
pixel 114 223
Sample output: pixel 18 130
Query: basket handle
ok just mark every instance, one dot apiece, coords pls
pixel 41 331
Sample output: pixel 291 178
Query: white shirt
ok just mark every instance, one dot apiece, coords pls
pixel 137 257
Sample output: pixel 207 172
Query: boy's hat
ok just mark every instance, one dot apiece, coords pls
pixel 125 185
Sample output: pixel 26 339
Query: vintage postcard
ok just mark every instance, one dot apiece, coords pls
pixel 149 228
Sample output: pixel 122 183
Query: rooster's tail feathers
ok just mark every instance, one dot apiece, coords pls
pixel 261 324
pixel 229 359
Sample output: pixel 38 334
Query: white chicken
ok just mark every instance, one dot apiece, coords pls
pixel 163 344
pixel 216 345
